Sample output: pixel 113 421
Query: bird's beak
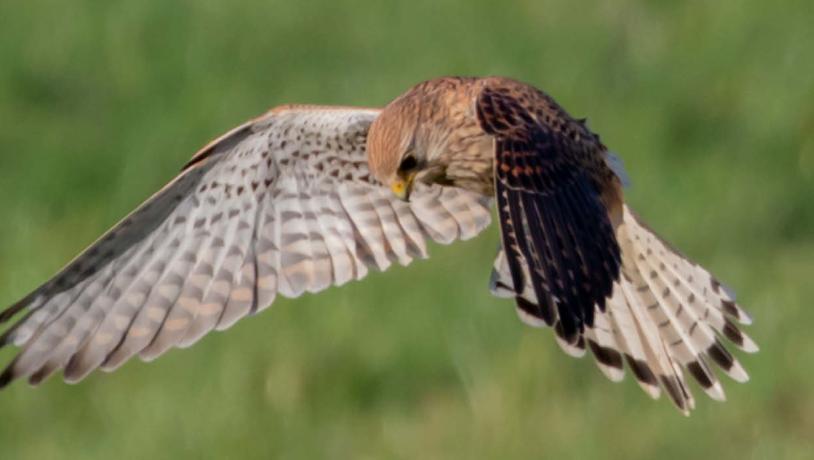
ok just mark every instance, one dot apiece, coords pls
pixel 402 187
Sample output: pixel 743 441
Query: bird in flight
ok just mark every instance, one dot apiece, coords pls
pixel 307 197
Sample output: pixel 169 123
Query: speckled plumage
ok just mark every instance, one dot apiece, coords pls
pixel 284 204
pixel 302 198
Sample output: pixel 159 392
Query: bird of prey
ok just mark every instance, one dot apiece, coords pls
pixel 307 197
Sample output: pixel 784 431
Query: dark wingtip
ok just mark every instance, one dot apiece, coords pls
pixel 678 394
pixel 701 375
pixel 730 308
pixel 642 371
pixel 720 355
pixel 534 310
pixel 567 332
pixel 733 333
pixel 6 377
pixel 38 377
pixel 606 356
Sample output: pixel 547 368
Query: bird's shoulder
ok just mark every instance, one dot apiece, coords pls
pixel 522 105
pixel 532 128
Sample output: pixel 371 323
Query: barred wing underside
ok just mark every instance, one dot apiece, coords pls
pixel 284 204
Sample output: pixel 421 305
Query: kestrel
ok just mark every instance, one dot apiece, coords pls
pixel 308 197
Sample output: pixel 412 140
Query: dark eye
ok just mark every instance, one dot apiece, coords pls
pixel 409 163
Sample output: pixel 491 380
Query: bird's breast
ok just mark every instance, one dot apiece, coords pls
pixel 469 161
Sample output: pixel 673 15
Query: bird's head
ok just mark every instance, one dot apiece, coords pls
pixel 394 154
pixel 407 141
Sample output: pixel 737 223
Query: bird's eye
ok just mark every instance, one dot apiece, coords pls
pixel 409 163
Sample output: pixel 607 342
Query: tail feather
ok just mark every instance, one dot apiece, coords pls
pixel 605 348
pixel 701 283
pixel 659 359
pixel 630 340
pixel 680 327
pixel 697 290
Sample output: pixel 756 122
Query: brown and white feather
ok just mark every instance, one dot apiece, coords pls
pixel 300 199
pixel 284 205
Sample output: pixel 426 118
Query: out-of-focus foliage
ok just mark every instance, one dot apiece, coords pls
pixel 711 104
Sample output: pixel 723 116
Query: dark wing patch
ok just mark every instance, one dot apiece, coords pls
pixel 552 218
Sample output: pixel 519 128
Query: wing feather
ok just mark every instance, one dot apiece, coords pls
pixel 283 204
pixel 575 258
pixel 555 206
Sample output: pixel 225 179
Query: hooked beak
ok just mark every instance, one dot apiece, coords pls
pixel 402 187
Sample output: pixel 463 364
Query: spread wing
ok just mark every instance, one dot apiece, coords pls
pixel 284 205
pixel 662 316
pixel 555 228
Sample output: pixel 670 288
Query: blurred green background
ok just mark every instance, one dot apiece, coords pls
pixel 711 104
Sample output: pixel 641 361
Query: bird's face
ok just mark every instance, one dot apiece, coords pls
pixel 401 184
pixel 402 151
pixel 393 152
pixel 431 135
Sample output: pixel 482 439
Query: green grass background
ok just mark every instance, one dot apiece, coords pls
pixel 711 104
